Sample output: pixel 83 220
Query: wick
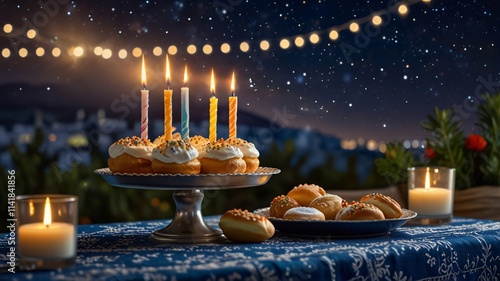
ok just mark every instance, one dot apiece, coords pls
pixel 232 94
pixel 168 84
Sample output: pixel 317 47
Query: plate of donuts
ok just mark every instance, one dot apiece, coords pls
pixel 307 210
pixel 337 228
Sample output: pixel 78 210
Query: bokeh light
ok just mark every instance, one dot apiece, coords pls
pixel 354 27
pixel 122 53
pixel 207 49
pixel 191 49
pixel 403 9
pixel 23 52
pixel 225 48
pixel 78 51
pixel 376 20
pixel 172 50
pixel 5 53
pixel 314 38
pixel 334 35
pixel 7 28
pixel 157 51
pixel 106 53
pixel 299 41
pixel 264 45
pixel 244 47
pixel 40 51
pixel 285 43
pixel 56 52
pixel 136 52
pixel 31 33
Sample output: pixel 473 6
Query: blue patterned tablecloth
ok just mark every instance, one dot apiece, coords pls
pixel 467 249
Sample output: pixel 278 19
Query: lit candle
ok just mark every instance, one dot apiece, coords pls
pixel 431 201
pixel 167 102
pixel 185 108
pixel 233 109
pixel 47 239
pixel 144 103
pixel 213 111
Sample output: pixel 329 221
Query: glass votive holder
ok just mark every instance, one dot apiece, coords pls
pixel 46 227
pixel 430 194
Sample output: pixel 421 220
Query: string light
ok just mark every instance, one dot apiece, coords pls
pixel 285 43
pixel 207 49
pixel 244 47
pixel 122 54
pixel 136 52
pixel 157 51
pixel 172 50
pixel 375 18
pixel 225 48
pixel 40 51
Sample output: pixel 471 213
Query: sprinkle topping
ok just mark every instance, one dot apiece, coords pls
pixel 134 141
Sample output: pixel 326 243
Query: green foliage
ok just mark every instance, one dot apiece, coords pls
pixel 447 140
pixel 489 122
pixel 394 166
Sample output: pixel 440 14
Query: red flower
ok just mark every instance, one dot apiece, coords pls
pixel 430 153
pixel 476 143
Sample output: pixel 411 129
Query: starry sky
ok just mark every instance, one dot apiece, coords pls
pixel 378 83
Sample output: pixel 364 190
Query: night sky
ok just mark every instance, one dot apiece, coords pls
pixel 379 83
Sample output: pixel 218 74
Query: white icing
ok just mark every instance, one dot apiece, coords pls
pixel 175 154
pixel 137 151
pixel 248 149
pixel 222 153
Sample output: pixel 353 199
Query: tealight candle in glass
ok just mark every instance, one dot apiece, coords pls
pixel 430 194
pixel 46 227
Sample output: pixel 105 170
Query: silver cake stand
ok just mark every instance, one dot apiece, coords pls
pixel 188 225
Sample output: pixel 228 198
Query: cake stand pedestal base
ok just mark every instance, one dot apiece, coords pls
pixel 188 225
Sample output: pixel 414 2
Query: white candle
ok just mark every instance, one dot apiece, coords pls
pixel 36 240
pixel 47 239
pixel 432 201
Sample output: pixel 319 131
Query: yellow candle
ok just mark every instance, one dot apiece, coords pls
pixel 233 109
pixel 47 239
pixel 213 111
pixel 431 201
pixel 167 102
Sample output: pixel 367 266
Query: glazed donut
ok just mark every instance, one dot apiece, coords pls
pixel 304 213
pixel 305 193
pixel 127 163
pixel 329 205
pixel 175 157
pixel 229 166
pixel 280 205
pixel 252 163
pixel 360 211
pixel 386 204
pixel 250 153
pixel 244 227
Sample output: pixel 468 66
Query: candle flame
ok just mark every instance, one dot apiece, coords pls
pixel 232 85
pixel 167 73
pixel 47 214
pixel 185 75
pixel 143 73
pixel 427 180
pixel 212 84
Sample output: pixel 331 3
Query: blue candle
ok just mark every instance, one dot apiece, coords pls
pixel 185 108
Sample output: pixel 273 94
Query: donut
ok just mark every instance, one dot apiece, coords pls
pixel 280 205
pixel 175 157
pixel 386 204
pixel 329 205
pixel 360 211
pixel 305 193
pixel 161 139
pixel 250 153
pixel 244 227
pixel 219 157
pixel 130 155
pixel 198 142
pixel 304 213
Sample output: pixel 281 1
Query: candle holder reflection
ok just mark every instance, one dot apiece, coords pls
pixel 46 227
pixel 430 194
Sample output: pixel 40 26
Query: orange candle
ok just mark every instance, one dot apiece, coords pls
pixel 213 111
pixel 167 102
pixel 233 109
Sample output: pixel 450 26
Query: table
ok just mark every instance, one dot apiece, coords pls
pixel 467 249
